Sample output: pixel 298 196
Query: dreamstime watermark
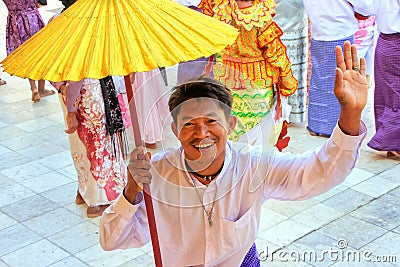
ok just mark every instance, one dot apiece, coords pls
pixel 341 253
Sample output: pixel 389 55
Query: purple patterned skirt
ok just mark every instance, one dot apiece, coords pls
pixel 251 259
pixel 22 23
pixel 387 93
pixel 323 106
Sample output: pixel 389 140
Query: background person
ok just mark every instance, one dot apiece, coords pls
pixel 365 40
pixel 255 67
pixel 95 129
pixel 23 21
pixel 95 117
pixel 387 78
pixel 328 29
pixel 292 18
pixel 151 100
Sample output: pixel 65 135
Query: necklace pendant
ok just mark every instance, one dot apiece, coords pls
pixel 210 222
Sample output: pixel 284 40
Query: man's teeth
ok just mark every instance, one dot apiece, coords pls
pixel 204 145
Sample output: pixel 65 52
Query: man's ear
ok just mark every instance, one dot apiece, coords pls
pixel 231 124
pixel 174 129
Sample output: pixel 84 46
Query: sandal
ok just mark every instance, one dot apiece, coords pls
pixel 35 96
pixel 2 82
pixel 96 211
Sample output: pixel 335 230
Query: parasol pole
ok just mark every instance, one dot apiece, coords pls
pixel 146 188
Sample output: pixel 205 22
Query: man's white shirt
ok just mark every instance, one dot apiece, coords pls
pixel 250 176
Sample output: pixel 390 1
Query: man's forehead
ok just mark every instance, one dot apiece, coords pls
pixel 200 107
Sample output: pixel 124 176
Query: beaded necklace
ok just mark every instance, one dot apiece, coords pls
pixel 208 178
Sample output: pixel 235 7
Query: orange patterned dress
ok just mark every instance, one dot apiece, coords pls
pixel 254 64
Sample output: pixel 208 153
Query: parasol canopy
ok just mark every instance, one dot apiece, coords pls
pixel 97 38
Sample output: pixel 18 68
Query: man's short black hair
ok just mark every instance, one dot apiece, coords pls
pixel 200 87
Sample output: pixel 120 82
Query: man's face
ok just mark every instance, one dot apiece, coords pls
pixel 203 129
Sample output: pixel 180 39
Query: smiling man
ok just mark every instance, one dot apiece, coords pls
pixel 208 193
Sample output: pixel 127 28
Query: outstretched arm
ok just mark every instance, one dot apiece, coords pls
pixel 351 88
pixel 296 177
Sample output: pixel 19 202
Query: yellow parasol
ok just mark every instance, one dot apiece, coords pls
pixel 97 38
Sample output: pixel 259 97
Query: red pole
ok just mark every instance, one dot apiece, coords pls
pixel 146 188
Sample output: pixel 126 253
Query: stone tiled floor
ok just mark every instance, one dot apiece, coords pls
pixel 40 225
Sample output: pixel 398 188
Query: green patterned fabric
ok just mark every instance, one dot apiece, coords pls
pixel 250 106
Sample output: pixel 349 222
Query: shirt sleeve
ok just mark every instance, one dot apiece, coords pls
pixel 274 52
pixel 73 90
pixel 124 225
pixel 297 177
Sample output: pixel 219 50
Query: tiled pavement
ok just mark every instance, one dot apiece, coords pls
pixel 40 225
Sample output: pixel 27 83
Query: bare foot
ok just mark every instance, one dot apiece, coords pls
pixel 95 211
pixel 150 145
pixel 45 92
pixel 393 155
pixel 35 96
pixel 397 154
pixel 79 199
pixel 316 134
